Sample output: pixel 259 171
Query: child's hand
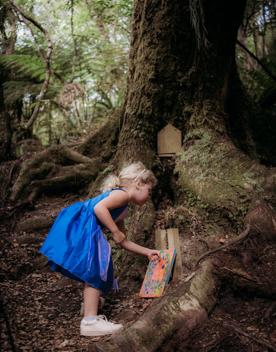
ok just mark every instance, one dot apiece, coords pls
pixel 118 237
pixel 153 254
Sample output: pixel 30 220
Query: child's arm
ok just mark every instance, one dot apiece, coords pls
pixel 136 248
pixel 116 199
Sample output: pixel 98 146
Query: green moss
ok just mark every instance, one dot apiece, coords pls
pixel 215 174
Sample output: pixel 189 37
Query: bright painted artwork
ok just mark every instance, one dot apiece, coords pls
pixel 158 274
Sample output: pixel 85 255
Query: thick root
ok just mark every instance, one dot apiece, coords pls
pixel 33 224
pixel 262 219
pixel 33 171
pixel 188 305
pixel 220 177
pixel 72 177
pixel 53 162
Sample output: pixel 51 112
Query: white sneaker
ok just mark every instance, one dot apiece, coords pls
pixel 98 327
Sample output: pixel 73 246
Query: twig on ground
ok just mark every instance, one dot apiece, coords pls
pixel 241 332
pixel 240 238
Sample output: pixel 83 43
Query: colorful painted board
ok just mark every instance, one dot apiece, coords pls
pixel 158 274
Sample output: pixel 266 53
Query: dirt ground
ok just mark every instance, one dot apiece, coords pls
pixel 41 309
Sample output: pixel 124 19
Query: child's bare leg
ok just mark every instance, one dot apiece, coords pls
pixel 91 298
pixel 91 324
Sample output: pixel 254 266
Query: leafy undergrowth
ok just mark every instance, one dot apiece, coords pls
pixel 42 309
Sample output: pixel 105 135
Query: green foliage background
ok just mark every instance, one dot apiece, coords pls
pixel 89 64
pixel 258 34
pixel 90 61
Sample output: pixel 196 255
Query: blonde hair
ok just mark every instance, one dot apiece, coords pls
pixel 134 172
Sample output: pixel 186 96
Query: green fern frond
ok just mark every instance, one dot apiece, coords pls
pixel 24 66
pixel 15 90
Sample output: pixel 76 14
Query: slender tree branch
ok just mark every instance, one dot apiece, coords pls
pixel 76 56
pixel 253 13
pixel 41 52
pixel 238 239
pixel 267 71
pixel 45 84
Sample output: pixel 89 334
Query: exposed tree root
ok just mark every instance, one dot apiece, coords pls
pixel 104 141
pixel 37 223
pixel 188 305
pixel 240 238
pixel 219 177
pixel 63 166
pixel 260 219
pixel 8 212
pixel 7 171
pixel 72 177
pixel 44 163
pixel 59 167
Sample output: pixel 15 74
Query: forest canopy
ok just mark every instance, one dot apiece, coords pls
pixel 88 62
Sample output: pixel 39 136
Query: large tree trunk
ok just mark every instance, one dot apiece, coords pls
pixel 178 72
pixel 182 65
pixel 183 70
pixel 160 57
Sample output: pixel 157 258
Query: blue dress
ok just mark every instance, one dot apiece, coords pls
pixel 77 247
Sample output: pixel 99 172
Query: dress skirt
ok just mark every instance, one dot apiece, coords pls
pixel 77 247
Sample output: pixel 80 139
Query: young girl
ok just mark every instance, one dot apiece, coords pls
pixel 77 247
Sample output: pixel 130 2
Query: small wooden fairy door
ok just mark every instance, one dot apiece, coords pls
pixel 169 141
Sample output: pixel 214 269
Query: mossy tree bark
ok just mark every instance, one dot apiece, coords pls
pixel 183 70
pixel 160 56
pixel 178 72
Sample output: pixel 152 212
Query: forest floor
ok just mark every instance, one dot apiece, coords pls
pixel 42 309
